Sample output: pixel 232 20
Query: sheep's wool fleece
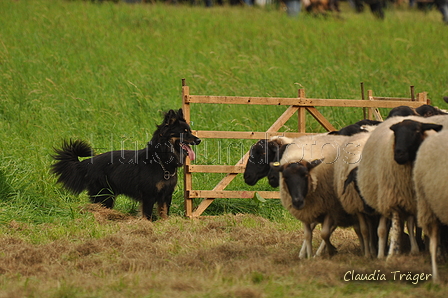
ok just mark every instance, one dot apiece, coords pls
pixel 321 198
pixel 430 173
pixel 351 155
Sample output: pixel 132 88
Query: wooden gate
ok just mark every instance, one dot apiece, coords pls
pixel 297 105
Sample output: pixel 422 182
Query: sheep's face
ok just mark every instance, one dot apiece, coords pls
pixel 408 135
pixel 257 165
pixel 261 154
pixel 296 177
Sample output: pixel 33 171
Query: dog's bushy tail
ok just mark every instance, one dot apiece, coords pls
pixel 70 171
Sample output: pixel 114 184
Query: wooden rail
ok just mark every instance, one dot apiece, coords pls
pixel 299 105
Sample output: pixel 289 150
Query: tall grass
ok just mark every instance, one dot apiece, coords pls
pixel 106 72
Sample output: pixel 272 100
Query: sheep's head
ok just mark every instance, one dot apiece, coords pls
pixel 297 177
pixel 408 135
pixel 428 111
pixel 257 167
pixel 261 155
pixel 401 111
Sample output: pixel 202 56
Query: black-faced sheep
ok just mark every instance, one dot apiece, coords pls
pixel 401 111
pixel 429 177
pixel 360 126
pixel 384 177
pixel 349 130
pixel 306 186
pixel 262 153
pixel 428 111
pixel 368 122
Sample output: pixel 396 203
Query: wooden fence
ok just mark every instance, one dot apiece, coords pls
pixel 298 105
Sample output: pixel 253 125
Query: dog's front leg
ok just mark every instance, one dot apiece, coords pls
pixel 163 206
pixel 162 210
pixel 147 206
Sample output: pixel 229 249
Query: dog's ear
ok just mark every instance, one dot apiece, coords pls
pixel 180 115
pixel 170 118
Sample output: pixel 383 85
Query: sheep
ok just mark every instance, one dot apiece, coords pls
pixel 347 192
pixel 349 130
pixel 265 151
pixel 429 176
pixel 384 176
pixel 368 122
pixel 428 111
pixel 401 111
pixel 306 186
pixel 360 126
pixel 261 154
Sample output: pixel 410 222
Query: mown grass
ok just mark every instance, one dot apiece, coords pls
pixel 226 256
pixel 106 72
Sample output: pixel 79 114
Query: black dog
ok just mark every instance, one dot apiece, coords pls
pixel 148 175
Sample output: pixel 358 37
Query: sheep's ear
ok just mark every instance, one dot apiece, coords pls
pixel 394 127
pixel 312 181
pixel 428 126
pixel 314 163
pixel 275 166
pixel 273 146
pixel 282 149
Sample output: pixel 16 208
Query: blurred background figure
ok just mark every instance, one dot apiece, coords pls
pixel 376 7
pixel 293 7
pixel 442 5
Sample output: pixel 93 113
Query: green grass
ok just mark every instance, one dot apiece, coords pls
pixel 106 72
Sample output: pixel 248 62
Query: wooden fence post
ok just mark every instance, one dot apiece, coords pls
pixel 188 202
pixel 364 110
pixel 301 113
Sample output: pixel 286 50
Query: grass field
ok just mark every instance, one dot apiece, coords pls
pixel 106 72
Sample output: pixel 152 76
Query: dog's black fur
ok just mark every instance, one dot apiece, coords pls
pixel 148 175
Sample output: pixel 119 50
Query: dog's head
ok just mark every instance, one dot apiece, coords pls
pixel 176 132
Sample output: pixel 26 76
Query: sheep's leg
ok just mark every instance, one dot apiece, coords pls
pixel 323 244
pixel 303 249
pixel 372 224
pixel 411 230
pixel 327 230
pixel 357 229
pixel 308 241
pixel 320 249
pixel 396 230
pixel 419 237
pixel 382 237
pixel 433 245
pixel 365 235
